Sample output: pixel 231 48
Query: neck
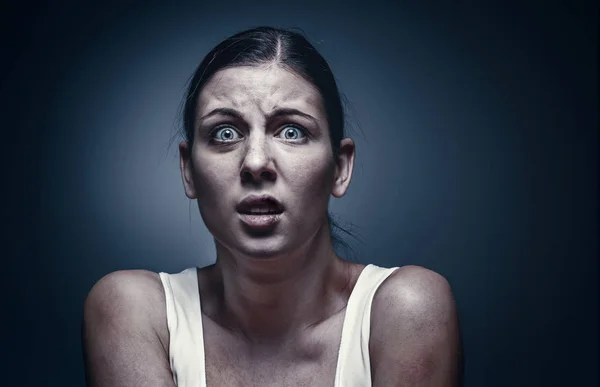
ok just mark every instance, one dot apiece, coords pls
pixel 269 300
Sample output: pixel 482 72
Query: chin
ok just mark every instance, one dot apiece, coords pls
pixel 262 248
pixel 257 244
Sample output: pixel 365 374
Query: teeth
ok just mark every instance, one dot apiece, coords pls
pixel 261 211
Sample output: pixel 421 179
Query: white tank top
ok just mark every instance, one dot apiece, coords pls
pixel 186 344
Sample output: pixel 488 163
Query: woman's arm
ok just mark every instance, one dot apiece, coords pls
pixel 125 337
pixel 415 338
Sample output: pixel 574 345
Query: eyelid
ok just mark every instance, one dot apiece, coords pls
pixel 212 133
pixel 300 128
pixel 221 126
pixel 295 126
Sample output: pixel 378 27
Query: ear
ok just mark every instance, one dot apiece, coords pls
pixel 343 169
pixel 187 169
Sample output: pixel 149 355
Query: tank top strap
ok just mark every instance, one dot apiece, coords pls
pixel 354 365
pixel 184 321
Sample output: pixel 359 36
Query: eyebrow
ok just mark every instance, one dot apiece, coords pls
pixel 291 112
pixel 275 113
pixel 222 111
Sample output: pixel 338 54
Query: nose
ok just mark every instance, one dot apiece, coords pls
pixel 257 164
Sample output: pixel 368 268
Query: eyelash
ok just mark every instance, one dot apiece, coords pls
pixel 220 142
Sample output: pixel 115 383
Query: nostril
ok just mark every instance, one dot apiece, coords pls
pixel 267 175
pixel 248 176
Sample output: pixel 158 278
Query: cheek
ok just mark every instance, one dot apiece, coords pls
pixel 310 175
pixel 306 175
pixel 212 178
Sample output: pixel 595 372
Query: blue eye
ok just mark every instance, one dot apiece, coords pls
pixel 225 134
pixel 292 133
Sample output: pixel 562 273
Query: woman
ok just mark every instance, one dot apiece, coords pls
pixel 264 150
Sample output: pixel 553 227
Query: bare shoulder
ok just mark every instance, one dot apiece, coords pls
pixel 124 294
pixel 416 290
pixel 125 337
pixel 414 332
pixel 126 282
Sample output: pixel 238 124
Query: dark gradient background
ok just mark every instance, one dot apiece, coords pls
pixel 476 132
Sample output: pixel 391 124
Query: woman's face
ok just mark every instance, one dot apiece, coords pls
pixel 262 130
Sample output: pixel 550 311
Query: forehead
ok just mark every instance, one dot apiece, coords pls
pixel 264 88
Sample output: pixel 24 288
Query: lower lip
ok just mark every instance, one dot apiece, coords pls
pixel 262 222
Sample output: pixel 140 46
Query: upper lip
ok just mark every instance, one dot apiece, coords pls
pixel 259 201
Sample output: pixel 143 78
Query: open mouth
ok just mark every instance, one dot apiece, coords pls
pixel 260 212
pixel 260 205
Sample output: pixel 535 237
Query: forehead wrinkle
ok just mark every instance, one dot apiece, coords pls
pixel 303 94
pixel 302 97
pixel 238 93
pixel 254 88
pixel 212 96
